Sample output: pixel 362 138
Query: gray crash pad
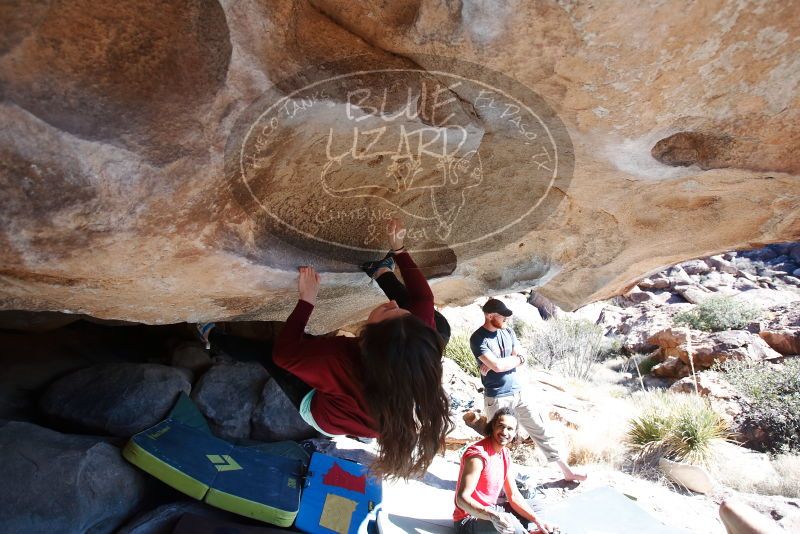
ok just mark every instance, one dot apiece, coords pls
pixel 604 510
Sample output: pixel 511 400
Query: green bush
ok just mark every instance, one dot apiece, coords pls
pixel 719 313
pixel 678 426
pixel 459 351
pixel 771 400
pixel 571 347
pixel 646 365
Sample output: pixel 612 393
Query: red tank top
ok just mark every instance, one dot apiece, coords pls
pixel 493 475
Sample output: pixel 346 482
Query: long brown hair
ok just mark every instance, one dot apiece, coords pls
pixel 402 373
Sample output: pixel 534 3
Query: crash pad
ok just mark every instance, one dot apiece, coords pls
pixel 339 496
pixel 603 510
pixel 182 453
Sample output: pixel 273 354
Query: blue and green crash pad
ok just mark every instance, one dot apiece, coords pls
pixel 182 452
pixel 339 496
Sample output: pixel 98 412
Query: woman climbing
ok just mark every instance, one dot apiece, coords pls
pixel 385 383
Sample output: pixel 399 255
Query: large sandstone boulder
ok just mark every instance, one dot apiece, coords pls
pixel 177 162
pixel 61 483
pixel 120 399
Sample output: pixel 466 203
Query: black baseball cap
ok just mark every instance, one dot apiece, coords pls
pixel 496 306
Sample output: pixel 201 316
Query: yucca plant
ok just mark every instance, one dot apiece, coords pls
pixel 647 433
pixel 678 426
pixel 459 351
pixel 693 433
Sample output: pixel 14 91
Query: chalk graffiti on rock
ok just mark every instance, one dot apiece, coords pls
pixel 462 160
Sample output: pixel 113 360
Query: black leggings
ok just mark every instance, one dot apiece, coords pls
pixel 396 291
pixel 245 349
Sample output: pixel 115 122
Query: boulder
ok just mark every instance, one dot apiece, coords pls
pixel 635 325
pixel 63 483
pixel 120 399
pixel 464 392
pixel 660 281
pixel 645 283
pixel 692 293
pixel 545 306
pixel 29 363
pixel 724 400
pixel 523 310
pixel 794 252
pixel 637 296
pixel 768 298
pixel 722 265
pixel 743 284
pixel 709 384
pixel 671 367
pixel 145 105
pixel 670 338
pixel 162 520
pixel 786 342
pixel 228 394
pixel 698 266
pixel 656 382
pixel 781 317
pixel 711 347
pixel 190 355
pixel 677 276
pixel 276 418
pixel 711 280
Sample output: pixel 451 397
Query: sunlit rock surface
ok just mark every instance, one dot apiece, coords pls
pixel 143 180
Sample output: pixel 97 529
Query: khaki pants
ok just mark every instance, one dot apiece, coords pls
pixel 530 419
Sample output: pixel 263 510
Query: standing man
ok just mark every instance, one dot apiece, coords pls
pixel 499 354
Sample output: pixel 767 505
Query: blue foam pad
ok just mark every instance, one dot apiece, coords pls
pixel 339 497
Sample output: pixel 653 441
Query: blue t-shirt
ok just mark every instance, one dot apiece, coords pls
pixel 500 344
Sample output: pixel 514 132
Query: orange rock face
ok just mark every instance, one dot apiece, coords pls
pixel 571 146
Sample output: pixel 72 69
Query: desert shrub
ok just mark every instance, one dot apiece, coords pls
pixel 612 348
pixel 522 328
pixel 771 400
pixel 719 313
pixel 639 364
pixel 677 426
pixel 459 351
pixel 569 346
pixel 646 365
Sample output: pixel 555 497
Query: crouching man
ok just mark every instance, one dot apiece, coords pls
pixel 486 470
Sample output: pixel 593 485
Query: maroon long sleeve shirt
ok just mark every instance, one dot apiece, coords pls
pixel 330 365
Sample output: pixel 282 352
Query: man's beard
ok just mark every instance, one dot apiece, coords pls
pixel 498 322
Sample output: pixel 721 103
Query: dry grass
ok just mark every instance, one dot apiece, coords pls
pixel 788 469
pixel 600 441
pixel 764 475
